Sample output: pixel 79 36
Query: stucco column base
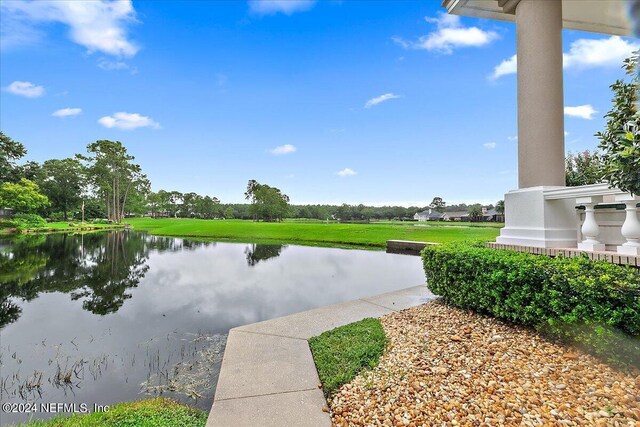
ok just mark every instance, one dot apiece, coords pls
pixel 628 250
pixel 530 220
pixel 591 247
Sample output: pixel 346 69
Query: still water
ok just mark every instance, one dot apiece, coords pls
pixel 106 317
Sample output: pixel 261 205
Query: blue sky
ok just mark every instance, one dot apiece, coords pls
pixel 331 101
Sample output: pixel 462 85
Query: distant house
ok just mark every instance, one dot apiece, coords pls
pixel 6 213
pixel 457 216
pixel 488 215
pixel 429 215
pixel 492 215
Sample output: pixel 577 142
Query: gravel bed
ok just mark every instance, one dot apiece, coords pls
pixel 450 367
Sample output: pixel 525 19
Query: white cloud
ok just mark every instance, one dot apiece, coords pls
pixel 489 145
pixel 599 53
pixel 347 172
pixel 581 111
pixel 401 42
pixel 108 65
pixel 105 64
pixel 513 138
pixel 99 25
pixel 67 112
pixel 127 121
pixel 583 53
pixel 14 32
pixel 380 99
pixel 449 35
pixel 272 7
pixel 508 66
pixel 444 20
pixel 26 89
pixel 283 149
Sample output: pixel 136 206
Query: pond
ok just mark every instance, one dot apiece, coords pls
pixel 106 317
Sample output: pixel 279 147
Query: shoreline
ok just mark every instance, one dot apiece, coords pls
pixel 49 230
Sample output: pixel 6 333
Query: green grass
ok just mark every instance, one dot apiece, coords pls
pixel 157 412
pixel 444 223
pixel 397 222
pixel 341 353
pixel 314 233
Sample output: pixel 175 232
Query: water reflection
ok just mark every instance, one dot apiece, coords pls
pixel 97 269
pixel 257 252
pixel 106 317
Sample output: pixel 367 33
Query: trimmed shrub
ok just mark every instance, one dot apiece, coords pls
pixel 23 221
pixel 594 304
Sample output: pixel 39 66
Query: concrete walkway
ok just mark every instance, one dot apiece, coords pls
pixel 268 377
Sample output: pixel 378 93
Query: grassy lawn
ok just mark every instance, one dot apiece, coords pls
pixel 373 235
pixel 420 224
pixel 157 412
pixel 341 353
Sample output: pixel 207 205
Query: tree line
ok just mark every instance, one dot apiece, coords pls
pixel 106 182
pixel 102 183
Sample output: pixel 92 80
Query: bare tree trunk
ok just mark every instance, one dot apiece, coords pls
pixel 106 204
pixel 116 208
pixel 113 196
pixel 124 200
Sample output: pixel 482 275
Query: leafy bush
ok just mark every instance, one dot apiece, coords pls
pixel 583 168
pixel 620 141
pixel 594 304
pixel 23 221
pixel 23 196
pixel 56 217
pixel 101 221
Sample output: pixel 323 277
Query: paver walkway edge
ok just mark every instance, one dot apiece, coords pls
pixel 268 377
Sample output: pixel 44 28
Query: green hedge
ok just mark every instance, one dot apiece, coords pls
pixel 23 221
pixel 592 303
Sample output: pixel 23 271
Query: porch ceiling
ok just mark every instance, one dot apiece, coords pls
pixel 607 17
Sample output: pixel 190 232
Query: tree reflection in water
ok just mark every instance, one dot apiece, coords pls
pixel 261 252
pixel 95 268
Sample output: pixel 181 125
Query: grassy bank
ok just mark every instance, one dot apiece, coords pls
pixel 54 227
pixel 373 235
pixel 157 412
pixel 341 353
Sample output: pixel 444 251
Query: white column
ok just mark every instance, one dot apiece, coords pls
pixel 530 220
pixel 540 93
pixel 631 227
pixel 590 229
